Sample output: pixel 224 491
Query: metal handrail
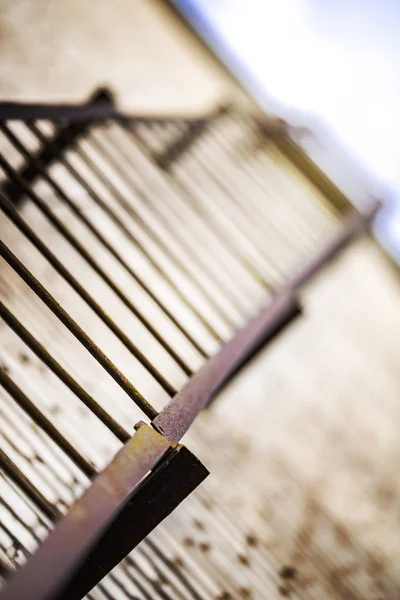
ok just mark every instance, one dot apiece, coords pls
pixel 92 526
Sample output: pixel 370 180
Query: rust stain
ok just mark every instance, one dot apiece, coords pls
pixel 244 560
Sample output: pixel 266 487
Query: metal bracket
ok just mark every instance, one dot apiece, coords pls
pixel 121 507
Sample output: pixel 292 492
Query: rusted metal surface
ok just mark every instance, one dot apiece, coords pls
pixel 178 474
pixel 176 418
pixel 67 546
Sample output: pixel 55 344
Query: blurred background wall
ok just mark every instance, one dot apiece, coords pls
pixel 338 60
pixel 54 51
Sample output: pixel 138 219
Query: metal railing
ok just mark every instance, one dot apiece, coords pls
pixel 182 260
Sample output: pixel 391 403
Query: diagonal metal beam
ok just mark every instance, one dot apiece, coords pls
pixel 64 551
pixel 177 416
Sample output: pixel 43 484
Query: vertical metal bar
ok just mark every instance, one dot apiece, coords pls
pixel 44 423
pixel 45 156
pixel 11 469
pixel 101 238
pixel 77 331
pixel 59 225
pixel 230 290
pixel 129 209
pixel 135 215
pixel 227 240
pixel 23 226
pixel 123 338
pixel 247 212
pixel 41 172
pixel 62 374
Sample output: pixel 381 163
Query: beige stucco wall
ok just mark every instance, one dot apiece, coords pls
pixel 62 50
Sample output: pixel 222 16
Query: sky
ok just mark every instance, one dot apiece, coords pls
pixel 336 60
